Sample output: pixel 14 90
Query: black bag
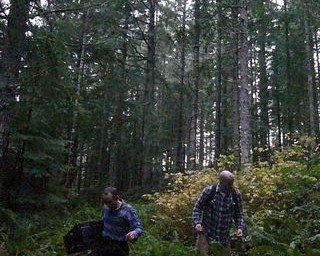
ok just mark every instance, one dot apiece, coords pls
pixel 83 236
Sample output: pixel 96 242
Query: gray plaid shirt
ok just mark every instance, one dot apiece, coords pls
pixel 217 215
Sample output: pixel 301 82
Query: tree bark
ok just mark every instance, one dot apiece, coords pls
pixel 122 163
pixel 309 60
pixel 12 52
pixel 148 100
pixel 264 96
pixel 201 137
pixel 192 154
pixel 317 82
pixel 180 166
pixel 244 87
pixel 218 120
pixel 288 140
pixel 235 92
pixel 73 154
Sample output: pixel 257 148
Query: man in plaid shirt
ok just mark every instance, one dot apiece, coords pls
pixel 216 208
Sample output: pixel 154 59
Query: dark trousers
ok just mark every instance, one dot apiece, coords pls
pixel 112 248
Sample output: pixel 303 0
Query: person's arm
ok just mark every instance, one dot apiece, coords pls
pixel 134 225
pixel 201 203
pixel 238 215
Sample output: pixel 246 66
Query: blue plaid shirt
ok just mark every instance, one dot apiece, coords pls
pixel 216 215
pixel 119 222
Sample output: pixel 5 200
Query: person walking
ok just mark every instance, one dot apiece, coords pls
pixel 214 211
pixel 121 225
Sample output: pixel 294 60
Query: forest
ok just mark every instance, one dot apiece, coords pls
pixel 155 97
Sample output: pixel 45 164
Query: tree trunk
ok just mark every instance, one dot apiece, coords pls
pixel 148 100
pixel 192 154
pixel 12 53
pixel 201 137
pixel 289 111
pixel 122 163
pixel 218 120
pixel 264 96
pixel 235 93
pixel 73 154
pixel 180 166
pixel 244 87
pixel 317 82
pixel 309 60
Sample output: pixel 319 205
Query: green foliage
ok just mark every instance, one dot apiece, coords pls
pixel 281 204
pixel 149 244
pixel 6 216
pixel 281 209
pixel 42 233
pixel 273 250
pixel 174 206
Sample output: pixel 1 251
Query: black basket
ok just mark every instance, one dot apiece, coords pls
pixel 83 236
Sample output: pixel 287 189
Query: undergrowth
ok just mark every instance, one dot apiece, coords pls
pixel 281 205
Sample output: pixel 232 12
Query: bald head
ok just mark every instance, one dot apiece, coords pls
pixel 226 179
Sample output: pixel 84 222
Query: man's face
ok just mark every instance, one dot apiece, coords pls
pixel 226 186
pixel 110 201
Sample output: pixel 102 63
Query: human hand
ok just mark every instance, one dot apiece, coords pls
pixel 130 236
pixel 199 228
pixel 239 232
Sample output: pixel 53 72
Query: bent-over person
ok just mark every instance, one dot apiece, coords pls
pixel 121 225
